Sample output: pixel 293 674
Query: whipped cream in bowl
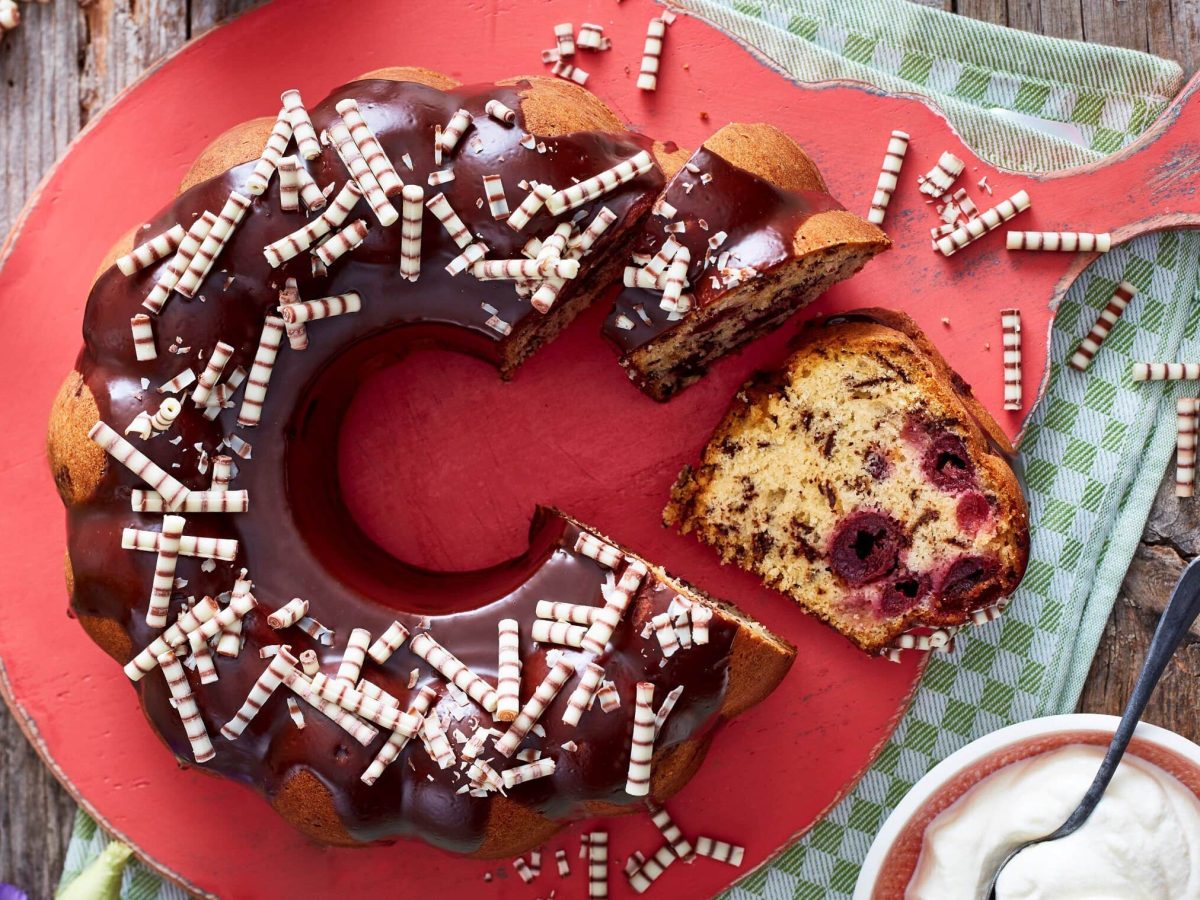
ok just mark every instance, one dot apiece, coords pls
pixel 954 827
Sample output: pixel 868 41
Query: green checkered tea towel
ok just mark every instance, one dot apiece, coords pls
pixel 1096 446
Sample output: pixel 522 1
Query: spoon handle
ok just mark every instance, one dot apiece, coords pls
pixel 1177 618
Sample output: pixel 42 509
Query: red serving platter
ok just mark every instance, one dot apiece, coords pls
pixel 443 463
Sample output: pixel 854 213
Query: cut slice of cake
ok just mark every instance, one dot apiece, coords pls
pixel 743 235
pixel 864 481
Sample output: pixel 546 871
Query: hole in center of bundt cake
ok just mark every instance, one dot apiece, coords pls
pixel 865 547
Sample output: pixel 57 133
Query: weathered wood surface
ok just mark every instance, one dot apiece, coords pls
pixel 69 58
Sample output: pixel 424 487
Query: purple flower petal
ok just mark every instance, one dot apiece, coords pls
pixel 12 892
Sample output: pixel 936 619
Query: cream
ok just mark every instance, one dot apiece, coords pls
pixel 1142 841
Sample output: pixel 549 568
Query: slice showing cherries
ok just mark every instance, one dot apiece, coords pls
pixel 865 547
pixel 947 464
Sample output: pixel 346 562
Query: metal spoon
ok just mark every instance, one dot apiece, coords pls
pixel 1177 618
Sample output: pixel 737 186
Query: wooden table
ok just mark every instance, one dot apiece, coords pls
pixel 69 58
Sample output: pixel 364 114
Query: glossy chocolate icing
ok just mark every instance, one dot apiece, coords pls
pixel 298 539
pixel 759 218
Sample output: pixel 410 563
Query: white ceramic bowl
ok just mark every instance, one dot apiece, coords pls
pixel 893 856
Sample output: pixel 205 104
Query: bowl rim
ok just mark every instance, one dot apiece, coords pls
pixel 933 780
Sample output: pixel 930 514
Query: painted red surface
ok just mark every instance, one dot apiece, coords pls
pixel 773 771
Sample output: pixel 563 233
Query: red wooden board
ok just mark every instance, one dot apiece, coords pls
pixel 772 772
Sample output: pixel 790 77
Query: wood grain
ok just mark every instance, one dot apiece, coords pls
pixel 68 58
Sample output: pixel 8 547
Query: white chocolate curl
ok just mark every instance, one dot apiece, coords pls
pixel 302 127
pixel 288 614
pixel 368 145
pixel 454 670
pixel 309 663
pixel 295 712
pixel 202 655
pixel 542 697
pixel 211 501
pixel 213 243
pixel 272 153
pixel 143 337
pixel 1159 371
pixel 594 548
pixel 893 159
pixel 164 571
pixel 988 220
pixel 298 241
pixel 540 768
pixel 564 38
pixel 176 635
pixel 668 704
pixel 524 269
pixel 597 855
pixel 444 213
pixel 189 544
pixel 941 177
pixel 575 613
pixel 1064 241
pixel 260 373
pixel 173 492
pixel 1090 345
pixel 360 171
pixel 212 373
pixel 701 616
pixel 508 672
pixel 412 218
pixel 388 643
pixel 659 262
pixel 397 740
pixel 282 664
pixel 342 694
pixel 229 641
pixel 436 742
pixel 614 608
pixel 342 242
pixel 664 631
pixel 178 383
pixel 1010 323
pixel 473 254
pixel 156 248
pixel 591 37
pixel 1185 446
pixel 354 656
pixel 599 184
pixel 459 123
pixel 656 31
pixel 564 633
pixel 583 244
pixel 493 190
pixel 560 859
pixel 642 748
pixel 534 201
pixel 352 725
pixel 582 696
pixel 311 196
pixel 173 271
pixel 662 820
pixel 500 112
pixel 289 185
pixel 720 851
pixel 321 308
pixel 185 705
pixel 650 870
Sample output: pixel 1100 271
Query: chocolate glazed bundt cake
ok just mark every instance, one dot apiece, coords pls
pixel 865 481
pixel 210 553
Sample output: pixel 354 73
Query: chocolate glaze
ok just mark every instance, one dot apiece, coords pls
pixel 760 219
pixel 299 539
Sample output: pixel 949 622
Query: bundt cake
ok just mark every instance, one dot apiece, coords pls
pixel 209 552
pixel 865 481
pixel 741 237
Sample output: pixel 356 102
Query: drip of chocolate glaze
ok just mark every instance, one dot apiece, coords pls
pixel 759 218
pixel 299 539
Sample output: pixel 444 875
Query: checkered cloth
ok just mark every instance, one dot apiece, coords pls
pixel 1096 446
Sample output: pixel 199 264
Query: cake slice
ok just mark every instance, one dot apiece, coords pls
pixel 864 481
pixel 763 238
